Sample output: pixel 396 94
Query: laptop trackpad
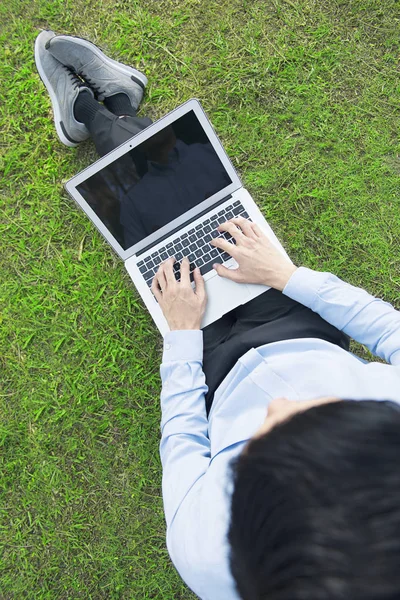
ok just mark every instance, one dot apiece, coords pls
pixel 223 295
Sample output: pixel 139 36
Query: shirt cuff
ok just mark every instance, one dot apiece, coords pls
pixel 184 346
pixel 304 285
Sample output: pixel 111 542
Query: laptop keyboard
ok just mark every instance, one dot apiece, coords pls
pixel 195 245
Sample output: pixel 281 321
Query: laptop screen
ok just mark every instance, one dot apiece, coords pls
pixel 156 182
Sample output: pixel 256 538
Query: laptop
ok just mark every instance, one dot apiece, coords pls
pixel 163 193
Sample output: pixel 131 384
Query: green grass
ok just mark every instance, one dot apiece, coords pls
pixel 305 97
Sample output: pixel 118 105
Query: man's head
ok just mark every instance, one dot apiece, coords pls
pixel 316 504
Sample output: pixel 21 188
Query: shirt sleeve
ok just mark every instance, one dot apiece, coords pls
pixel 185 445
pixel 368 320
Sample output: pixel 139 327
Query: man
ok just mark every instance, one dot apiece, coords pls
pixel 302 503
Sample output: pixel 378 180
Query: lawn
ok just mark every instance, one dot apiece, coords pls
pixel 305 97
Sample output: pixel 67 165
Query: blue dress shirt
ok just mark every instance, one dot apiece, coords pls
pixel 196 452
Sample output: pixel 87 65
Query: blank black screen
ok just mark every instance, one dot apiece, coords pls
pixel 156 182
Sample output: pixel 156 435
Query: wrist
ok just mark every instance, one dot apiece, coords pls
pixel 184 326
pixel 284 276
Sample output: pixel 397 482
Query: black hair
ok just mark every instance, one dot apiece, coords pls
pixel 315 511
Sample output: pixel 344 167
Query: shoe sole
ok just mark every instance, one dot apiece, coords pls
pixel 134 74
pixel 54 102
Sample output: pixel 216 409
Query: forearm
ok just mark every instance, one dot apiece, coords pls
pixel 185 446
pixel 352 310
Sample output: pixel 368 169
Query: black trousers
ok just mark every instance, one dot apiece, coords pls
pixel 270 317
pixel 109 131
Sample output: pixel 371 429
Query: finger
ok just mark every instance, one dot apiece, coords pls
pixel 169 271
pixel 232 274
pixel 257 230
pixel 199 281
pixel 245 225
pixel 156 290
pixel 160 277
pixel 232 229
pixel 224 245
pixel 185 272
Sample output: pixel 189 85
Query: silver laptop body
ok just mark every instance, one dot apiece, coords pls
pixel 162 193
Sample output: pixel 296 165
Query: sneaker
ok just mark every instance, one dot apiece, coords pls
pixel 105 76
pixel 63 86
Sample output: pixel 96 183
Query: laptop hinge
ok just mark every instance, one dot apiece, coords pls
pixel 164 237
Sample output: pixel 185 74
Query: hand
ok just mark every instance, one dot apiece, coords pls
pixel 182 306
pixel 258 259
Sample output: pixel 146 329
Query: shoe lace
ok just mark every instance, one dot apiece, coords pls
pixel 76 81
pixel 96 88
